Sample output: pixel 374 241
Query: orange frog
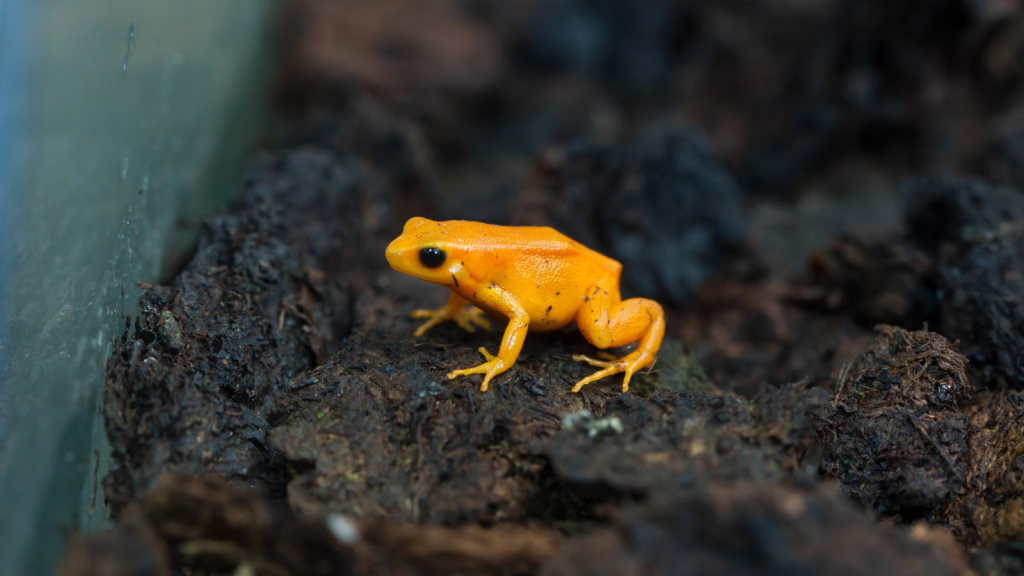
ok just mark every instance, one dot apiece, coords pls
pixel 535 277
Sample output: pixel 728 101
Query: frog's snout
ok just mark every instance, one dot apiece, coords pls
pixel 407 252
pixel 402 255
pixel 394 255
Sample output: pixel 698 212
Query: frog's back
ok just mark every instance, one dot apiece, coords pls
pixel 548 272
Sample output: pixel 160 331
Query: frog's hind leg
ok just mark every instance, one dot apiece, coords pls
pixel 606 321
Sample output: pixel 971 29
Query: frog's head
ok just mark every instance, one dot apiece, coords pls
pixel 427 250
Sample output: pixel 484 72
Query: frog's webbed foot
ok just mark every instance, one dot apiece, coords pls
pixel 468 317
pixel 628 364
pixel 489 369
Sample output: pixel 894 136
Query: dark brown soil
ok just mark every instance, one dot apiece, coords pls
pixel 753 529
pixel 895 435
pixel 271 413
pixel 979 248
pixel 332 391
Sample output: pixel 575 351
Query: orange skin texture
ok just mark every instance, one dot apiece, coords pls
pixel 537 279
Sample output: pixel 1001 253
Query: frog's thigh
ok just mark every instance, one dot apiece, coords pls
pixel 608 322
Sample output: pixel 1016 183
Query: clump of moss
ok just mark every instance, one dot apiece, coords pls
pixel 676 370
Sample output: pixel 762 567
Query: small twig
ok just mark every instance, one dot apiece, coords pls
pixel 844 371
pixel 439 345
pixel 651 367
pixel 1017 418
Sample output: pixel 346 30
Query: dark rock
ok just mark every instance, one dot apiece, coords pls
pixel 170 330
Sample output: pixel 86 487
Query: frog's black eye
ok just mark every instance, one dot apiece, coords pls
pixel 432 257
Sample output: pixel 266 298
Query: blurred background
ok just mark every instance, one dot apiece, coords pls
pixel 123 123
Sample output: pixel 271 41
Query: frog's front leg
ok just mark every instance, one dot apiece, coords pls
pixel 457 309
pixel 608 322
pixel 496 298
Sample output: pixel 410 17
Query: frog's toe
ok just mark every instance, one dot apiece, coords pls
pixel 428 325
pixel 435 318
pixel 612 369
pixel 422 313
pixel 635 362
pixel 470 317
pixel 591 361
pixel 630 370
pixel 628 364
pixel 489 369
pixel 468 371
